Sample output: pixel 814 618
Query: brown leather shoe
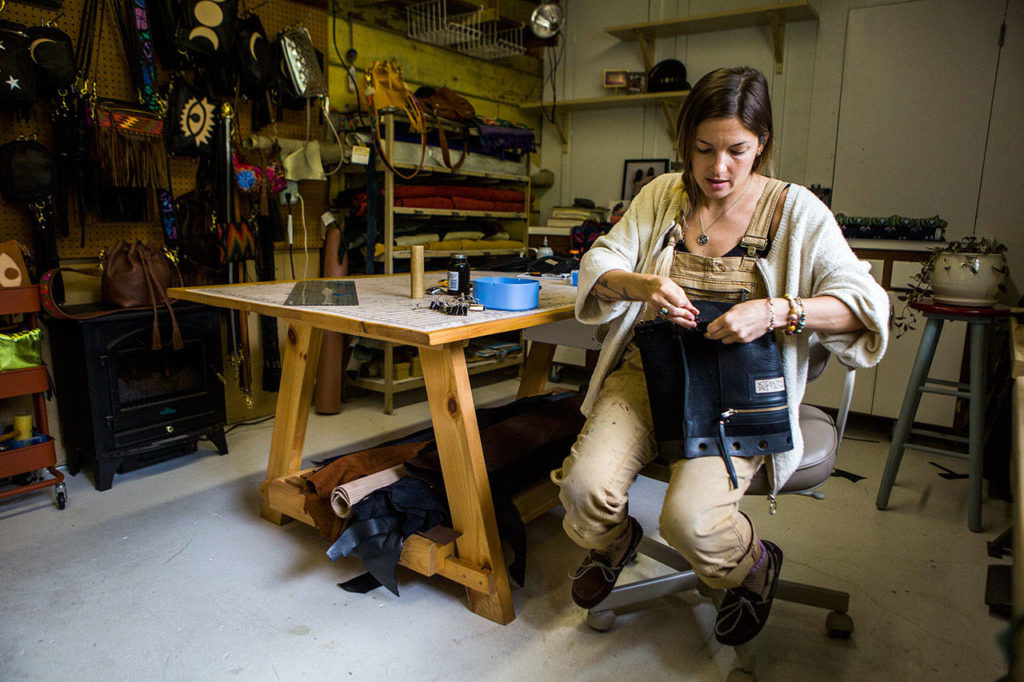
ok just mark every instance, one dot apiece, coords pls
pixel 596 576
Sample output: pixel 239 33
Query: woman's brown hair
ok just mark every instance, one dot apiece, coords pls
pixel 740 92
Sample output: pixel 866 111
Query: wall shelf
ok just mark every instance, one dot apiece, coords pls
pixel 610 102
pixel 773 16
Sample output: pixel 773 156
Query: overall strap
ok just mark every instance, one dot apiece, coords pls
pixel 756 237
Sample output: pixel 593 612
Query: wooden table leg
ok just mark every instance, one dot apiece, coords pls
pixel 298 369
pixel 538 364
pixel 465 475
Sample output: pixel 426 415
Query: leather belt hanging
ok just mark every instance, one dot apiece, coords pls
pixel 238 321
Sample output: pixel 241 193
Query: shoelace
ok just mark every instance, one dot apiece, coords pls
pixel 733 613
pixel 607 571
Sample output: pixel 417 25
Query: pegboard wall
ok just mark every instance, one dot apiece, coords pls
pixel 110 68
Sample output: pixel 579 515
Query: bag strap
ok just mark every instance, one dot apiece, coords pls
pixel 49 302
pixel 54 309
pixel 444 146
pixel 154 290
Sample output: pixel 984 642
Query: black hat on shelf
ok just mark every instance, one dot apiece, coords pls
pixel 666 76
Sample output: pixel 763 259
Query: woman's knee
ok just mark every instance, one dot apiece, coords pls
pixel 584 488
pixel 684 528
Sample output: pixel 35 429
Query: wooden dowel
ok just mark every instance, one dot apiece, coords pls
pixel 416 271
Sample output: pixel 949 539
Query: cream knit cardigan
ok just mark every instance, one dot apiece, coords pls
pixel 809 257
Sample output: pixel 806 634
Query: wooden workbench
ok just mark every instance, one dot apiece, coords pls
pixel 386 312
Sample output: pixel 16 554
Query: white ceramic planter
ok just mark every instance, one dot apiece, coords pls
pixel 967 279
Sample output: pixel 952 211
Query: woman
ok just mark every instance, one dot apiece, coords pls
pixel 721 230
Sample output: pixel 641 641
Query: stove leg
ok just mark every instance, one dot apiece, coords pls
pixel 219 440
pixel 104 470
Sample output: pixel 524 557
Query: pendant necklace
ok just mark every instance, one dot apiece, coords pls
pixel 702 238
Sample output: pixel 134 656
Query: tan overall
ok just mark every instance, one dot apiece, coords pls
pixel 700 516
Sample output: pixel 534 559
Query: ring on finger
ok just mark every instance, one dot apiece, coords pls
pixel 663 312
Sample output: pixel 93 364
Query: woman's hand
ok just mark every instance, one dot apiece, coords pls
pixel 669 300
pixel 659 293
pixel 744 322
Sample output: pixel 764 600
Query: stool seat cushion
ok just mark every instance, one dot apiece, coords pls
pixel 928 306
pixel 820 445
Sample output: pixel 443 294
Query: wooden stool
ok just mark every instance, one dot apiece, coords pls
pixel 978 320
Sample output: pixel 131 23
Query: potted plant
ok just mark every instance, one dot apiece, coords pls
pixel 965 272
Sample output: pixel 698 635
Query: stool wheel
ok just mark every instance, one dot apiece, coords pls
pixel 839 625
pixel 602 621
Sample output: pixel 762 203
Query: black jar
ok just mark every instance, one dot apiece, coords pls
pixel 458 275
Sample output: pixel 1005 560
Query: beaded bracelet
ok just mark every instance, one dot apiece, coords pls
pixel 771 314
pixel 796 318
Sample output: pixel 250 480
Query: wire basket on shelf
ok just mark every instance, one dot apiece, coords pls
pixel 429 22
pixel 493 42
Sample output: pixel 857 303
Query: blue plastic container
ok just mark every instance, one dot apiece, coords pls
pixel 507 293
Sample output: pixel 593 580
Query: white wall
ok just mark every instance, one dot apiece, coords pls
pixel 806 100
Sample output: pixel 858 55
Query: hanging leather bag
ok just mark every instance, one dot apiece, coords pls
pixel 235 242
pixel 28 173
pixel 386 89
pixel 710 398
pixel 17 77
pixel 190 121
pixel 53 58
pixel 444 104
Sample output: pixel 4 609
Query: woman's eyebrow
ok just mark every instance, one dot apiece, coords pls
pixel 734 144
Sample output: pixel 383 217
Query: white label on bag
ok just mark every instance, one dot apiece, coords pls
pixel 360 154
pixel 769 385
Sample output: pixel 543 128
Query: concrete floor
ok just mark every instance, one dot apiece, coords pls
pixel 171 574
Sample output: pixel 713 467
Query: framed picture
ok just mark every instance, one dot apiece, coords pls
pixel 616 78
pixel 637 82
pixel 638 172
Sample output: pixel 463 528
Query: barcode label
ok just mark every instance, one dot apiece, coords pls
pixel 769 385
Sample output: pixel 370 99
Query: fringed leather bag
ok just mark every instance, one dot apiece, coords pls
pixel 710 398
pixel 128 143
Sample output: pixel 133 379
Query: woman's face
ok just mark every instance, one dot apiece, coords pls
pixel 723 156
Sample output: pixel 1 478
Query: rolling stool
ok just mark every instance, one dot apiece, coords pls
pixel 978 320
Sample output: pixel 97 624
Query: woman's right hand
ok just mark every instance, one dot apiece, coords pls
pixel 670 301
pixel 659 293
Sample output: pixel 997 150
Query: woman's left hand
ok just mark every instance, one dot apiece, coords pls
pixel 742 323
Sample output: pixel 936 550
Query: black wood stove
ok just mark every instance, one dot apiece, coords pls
pixel 123 404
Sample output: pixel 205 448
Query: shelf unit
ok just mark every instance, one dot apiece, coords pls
pixel 32 381
pixel 388 384
pixel 775 17
pixel 390 210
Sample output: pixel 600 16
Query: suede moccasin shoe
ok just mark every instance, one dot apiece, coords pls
pixel 743 612
pixel 596 576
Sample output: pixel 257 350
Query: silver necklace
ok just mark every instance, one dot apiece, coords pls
pixel 702 238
